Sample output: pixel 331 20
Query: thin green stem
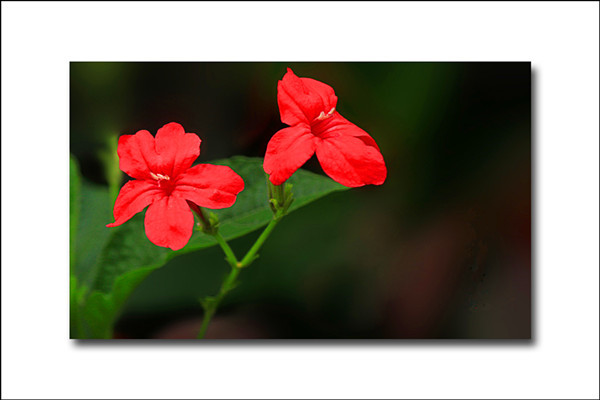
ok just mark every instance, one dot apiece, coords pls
pixel 251 255
pixel 205 322
pixel 212 303
pixel 229 254
pixel 211 306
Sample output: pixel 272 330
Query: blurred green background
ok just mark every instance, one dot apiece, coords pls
pixel 441 250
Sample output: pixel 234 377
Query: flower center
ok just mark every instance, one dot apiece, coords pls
pixel 320 125
pixel 163 181
pixel 324 116
pixel 160 177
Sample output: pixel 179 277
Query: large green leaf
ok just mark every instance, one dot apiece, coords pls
pixel 74 207
pixel 129 256
pixel 76 301
pixel 89 211
pixel 92 233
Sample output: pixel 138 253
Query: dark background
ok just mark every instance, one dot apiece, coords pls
pixel 441 250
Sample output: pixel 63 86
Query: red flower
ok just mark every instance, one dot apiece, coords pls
pixel 165 182
pixel 346 153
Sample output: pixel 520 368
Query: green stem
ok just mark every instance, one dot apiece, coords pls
pixel 251 255
pixel 211 305
pixel 229 254
pixel 205 321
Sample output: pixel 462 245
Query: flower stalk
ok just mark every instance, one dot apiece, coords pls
pixel 280 198
pixel 211 303
pixel 209 225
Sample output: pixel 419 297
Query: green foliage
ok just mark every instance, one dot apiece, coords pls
pixel 110 160
pixel 74 206
pixel 93 235
pixel 114 261
pixel 76 296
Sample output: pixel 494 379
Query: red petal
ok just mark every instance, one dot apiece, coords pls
pixel 137 156
pixel 177 149
pixel 303 99
pixel 340 126
pixel 287 151
pixel 134 197
pixel 350 161
pixel 169 222
pixel 210 186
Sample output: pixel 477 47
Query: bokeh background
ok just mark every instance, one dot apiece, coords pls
pixel 441 250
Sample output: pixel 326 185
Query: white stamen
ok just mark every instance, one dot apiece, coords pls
pixel 323 116
pixel 160 177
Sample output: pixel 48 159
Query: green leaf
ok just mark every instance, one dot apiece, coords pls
pixel 92 233
pixel 110 160
pixel 252 211
pixel 74 208
pixel 128 249
pixel 76 299
pixel 129 256
pixel 89 211
pixel 101 309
